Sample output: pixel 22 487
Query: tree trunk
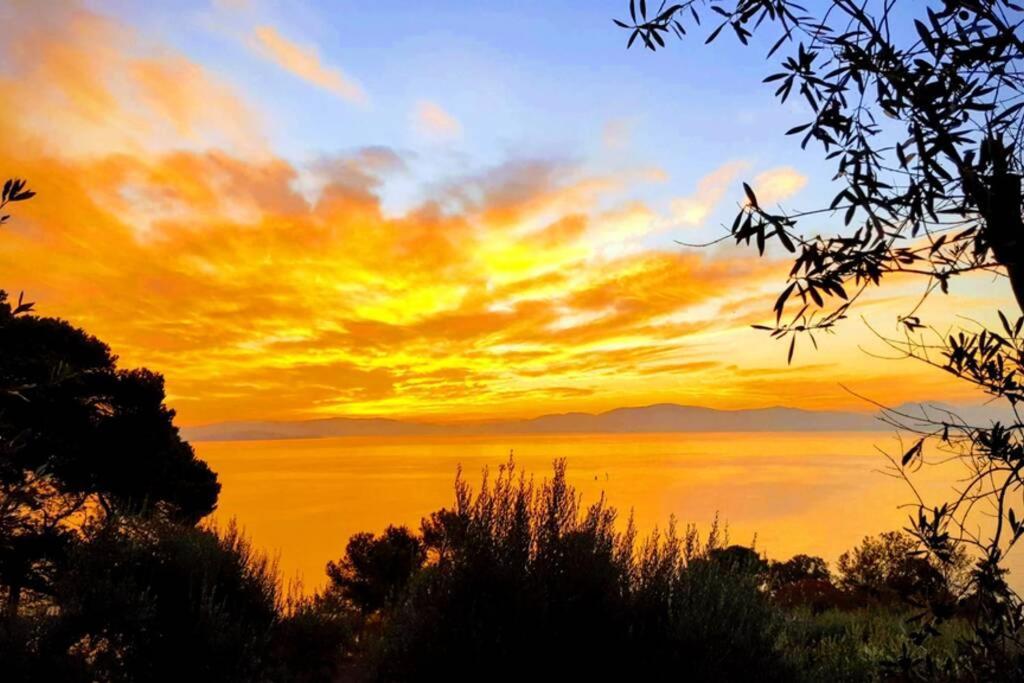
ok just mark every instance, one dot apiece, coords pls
pixel 998 198
pixel 13 601
pixel 1006 232
pixel 1016 273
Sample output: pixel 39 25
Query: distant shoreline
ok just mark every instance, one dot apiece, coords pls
pixel 881 429
pixel 665 418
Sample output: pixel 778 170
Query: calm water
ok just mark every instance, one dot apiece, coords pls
pixel 812 493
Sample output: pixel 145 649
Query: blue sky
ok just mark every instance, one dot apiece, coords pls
pixel 526 80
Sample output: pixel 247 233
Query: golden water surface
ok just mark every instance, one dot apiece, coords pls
pixel 798 492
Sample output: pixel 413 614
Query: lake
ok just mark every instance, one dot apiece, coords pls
pixel 815 493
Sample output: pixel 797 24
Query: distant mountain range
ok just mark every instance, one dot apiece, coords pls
pixel 663 417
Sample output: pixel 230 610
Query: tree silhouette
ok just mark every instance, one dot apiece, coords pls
pixel 152 600
pixel 798 568
pixel 887 566
pixel 104 574
pixel 82 441
pixel 919 107
pixel 375 571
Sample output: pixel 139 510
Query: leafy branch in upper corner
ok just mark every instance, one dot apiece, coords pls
pixel 924 136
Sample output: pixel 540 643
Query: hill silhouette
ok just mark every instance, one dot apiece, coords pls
pixel 658 418
pixel 664 417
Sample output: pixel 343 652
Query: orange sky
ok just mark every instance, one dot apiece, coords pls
pixel 264 287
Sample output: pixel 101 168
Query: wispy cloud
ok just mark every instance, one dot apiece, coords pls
pixel 98 87
pixel 304 61
pixel 773 185
pixel 431 120
pixel 693 210
pixel 778 184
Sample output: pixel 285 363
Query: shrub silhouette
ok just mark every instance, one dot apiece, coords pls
pixel 81 439
pixel 889 568
pixel 312 640
pixel 520 574
pixel 155 601
pixel 375 570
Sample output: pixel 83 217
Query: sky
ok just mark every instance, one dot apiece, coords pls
pixel 302 210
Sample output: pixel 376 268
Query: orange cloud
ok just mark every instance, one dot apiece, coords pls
pixel 530 290
pixel 431 120
pixel 257 302
pixel 694 210
pixel 83 83
pixel 777 184
pixel 304 62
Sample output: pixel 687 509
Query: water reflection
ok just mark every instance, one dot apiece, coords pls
pixel 813 493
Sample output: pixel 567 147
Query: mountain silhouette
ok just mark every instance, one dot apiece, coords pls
pixel 664 417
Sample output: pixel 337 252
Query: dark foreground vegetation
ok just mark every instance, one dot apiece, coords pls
pixel 513 578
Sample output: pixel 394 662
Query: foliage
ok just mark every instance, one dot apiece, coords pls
pixel 375 571
pixel 798 568
pixel 517 568
pixel 919 106
pixel 944 170
pixel 155 601
pixel 890 566
pixel 312 641
pixel 854 644
pixel 519 574
pixel 90 429
pixel 80 439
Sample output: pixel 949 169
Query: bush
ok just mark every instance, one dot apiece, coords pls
pixel 891 568
pixel 522 575
pixel 857 644
pixel 156 602
pixel 374 571
pixel 312 640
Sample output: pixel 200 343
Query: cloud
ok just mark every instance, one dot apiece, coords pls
pixel 431 120
pixel 693 210
pixel 258 302
pixel 362 169
pixel 87 84
pixel 777 184
pixel 304 61
pixel 773 185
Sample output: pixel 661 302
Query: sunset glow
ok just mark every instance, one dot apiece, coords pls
pixel 387 250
